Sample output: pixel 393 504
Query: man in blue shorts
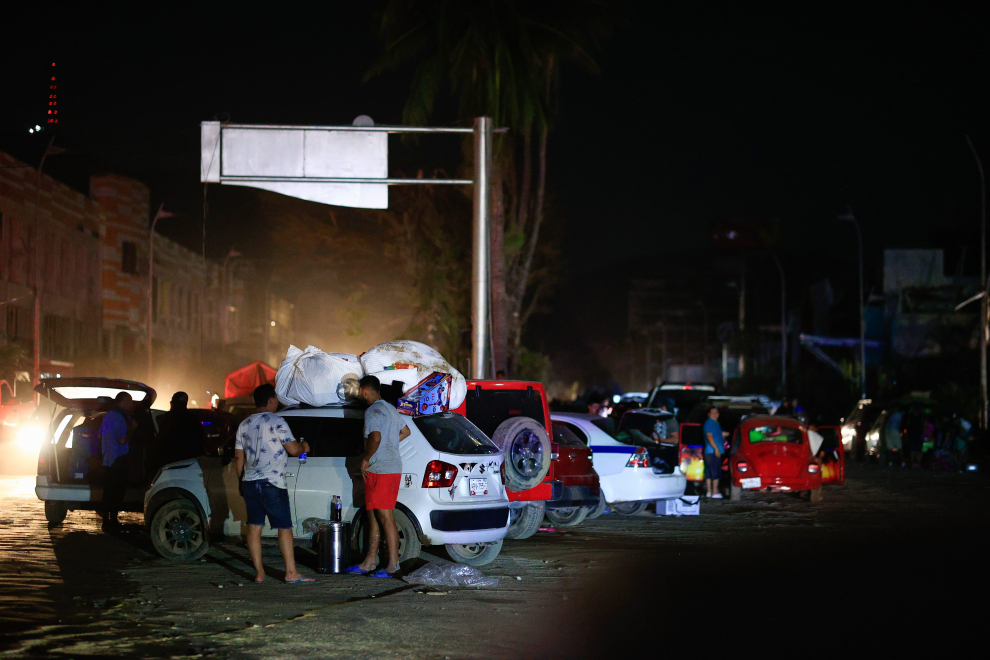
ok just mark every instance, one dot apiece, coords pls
pixel 261 452
pixel 714 444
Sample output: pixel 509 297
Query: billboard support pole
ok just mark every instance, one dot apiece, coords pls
pixel 480 275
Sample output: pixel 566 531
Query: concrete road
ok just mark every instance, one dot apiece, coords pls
pixel 894 560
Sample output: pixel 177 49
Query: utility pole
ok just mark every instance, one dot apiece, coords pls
pixel 984 309
pixel 480 275
pixel 783 330
pixel 53 150
pixel 862 305
pixel 162 213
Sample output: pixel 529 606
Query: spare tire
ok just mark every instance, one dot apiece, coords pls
pixel 526 448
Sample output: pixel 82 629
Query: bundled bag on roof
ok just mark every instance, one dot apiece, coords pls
pixel 316 378
pixel 411 362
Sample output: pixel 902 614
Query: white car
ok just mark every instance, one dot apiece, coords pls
pixel 631 476
pixel 451 492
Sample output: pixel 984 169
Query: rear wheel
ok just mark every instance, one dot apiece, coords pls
pixel 735 493
pixel 526 447
pixel 474 554
pixel 816 495
pixel 178 531
pixel 629 508
pixel 55 512
pixel 409 544
pixel 567 516
pixel 595 511
pixel 524 521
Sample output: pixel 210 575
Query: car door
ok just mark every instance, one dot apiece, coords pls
pixel 834 462
pixel 332 466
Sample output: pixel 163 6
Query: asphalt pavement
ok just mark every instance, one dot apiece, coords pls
pixel 893 560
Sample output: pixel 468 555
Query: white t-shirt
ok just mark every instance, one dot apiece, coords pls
pixel 815 439
pixel 261 436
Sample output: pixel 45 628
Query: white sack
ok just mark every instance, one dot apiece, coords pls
pixel 408 377
pixel 313 377
pixel 425 359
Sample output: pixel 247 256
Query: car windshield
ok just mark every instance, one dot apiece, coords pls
pixel 776 434
pixel 451 433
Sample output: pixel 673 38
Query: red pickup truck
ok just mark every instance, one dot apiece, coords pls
pixel 540 476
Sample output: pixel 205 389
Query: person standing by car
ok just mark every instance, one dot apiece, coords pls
pixel 714 443
pixel 116 430
pixel 261 452
pixel 673 428
pixel 381 467
pixel 892 438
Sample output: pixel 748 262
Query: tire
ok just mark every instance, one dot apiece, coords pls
pixel 55 512
pixel 629 509
pixel 473 554
pixel 571 516
pixel 735 493
pixel 526 448
pixel 178 531
pixel 596 511
pixel 525 521
pixel 816 495
pixel 409 544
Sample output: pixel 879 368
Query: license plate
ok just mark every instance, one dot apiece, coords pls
pixel 479 486
pixel 752 482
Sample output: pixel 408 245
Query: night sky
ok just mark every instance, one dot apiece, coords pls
pixel 700 114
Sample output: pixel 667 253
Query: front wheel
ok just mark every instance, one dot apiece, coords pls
pixel 629 508
pixel 596 511
pixel 474 554
pixel 55 512
pixel 567 516
pixel 525 521
pixel 178 531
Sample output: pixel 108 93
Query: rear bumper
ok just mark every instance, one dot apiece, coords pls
pixel 781 483
pixel 642 485
pixel 572 496
pixel 469 520
pixel 542 491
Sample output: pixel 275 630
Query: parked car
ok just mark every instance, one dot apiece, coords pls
pixel 634 469
pixel 771 452
pixel 685 396
pixel 857 424
pixel 515 415
pixel 71 456
pixel 451 493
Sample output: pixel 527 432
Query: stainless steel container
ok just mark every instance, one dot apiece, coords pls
pixel 333 547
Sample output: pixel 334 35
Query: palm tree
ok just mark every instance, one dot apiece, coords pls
pixel 499 58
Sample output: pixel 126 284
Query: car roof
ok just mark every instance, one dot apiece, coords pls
pixel 588 417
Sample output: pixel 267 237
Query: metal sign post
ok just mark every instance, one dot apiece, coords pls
pixel 348 166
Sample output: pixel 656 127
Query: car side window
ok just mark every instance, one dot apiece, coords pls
pixel 565 437
pixel 339 436
pixel 578 433
pixel 304 428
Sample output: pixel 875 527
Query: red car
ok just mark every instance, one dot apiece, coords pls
pixel 539 474
pixel 772 453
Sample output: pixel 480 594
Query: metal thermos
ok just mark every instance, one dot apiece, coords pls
pixel 334 546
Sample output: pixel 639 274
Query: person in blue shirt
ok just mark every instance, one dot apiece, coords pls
pixel 115 434
pixel 714 444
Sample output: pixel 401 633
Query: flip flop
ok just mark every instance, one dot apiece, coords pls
pixel 382 573
pixel 356 570
pixel 302 580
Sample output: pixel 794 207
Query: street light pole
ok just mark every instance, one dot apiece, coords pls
pixel 162 213
pixel 225 298
pixel 783 330
pixel 984 309
pixel 862 307
pixel 480 275
pixel 36 355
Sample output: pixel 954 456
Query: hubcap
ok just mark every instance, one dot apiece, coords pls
pixel 182 532
pixel 527 454
pixel 472 549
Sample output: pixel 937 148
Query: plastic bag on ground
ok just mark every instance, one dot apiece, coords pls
pixel 425 359
pixel 316 378
pixel 436 574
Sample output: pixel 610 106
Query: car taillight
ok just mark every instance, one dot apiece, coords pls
pixel 813 468
pixel 439 475
pixel 742 466
pixel 554 451
pixel 640 458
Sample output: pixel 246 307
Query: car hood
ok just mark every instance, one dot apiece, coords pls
pixel 93 394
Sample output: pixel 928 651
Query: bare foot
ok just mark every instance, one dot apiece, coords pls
pixel 297 577
pixel 392 570
pixel 259 578
pixel 367 568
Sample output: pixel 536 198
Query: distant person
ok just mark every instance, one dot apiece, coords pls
pixel 181 433
pixel 500 374
pixel 381 466
pixel 914 432
pixel 673 428
pixel 261 452
pixel 116 430
pixel 892 432
pixel 714 444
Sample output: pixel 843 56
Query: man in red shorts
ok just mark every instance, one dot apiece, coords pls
pixel 384 429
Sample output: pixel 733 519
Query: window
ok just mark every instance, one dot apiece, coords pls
pixel 563 436
pixel 578 433
pixel 489 408
pixel 329 436
pixel 129 258
pixel 453 434
pixel 776 434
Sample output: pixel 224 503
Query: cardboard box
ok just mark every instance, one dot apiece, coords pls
pixel 686 505
pixel 431 395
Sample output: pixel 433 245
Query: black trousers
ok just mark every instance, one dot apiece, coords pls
pixel 115 486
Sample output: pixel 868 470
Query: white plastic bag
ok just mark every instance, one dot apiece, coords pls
pixel 315 378
pixel 425 359
pixel 436 574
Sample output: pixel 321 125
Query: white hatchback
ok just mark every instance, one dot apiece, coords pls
pixel 451 492
pixel 631 476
